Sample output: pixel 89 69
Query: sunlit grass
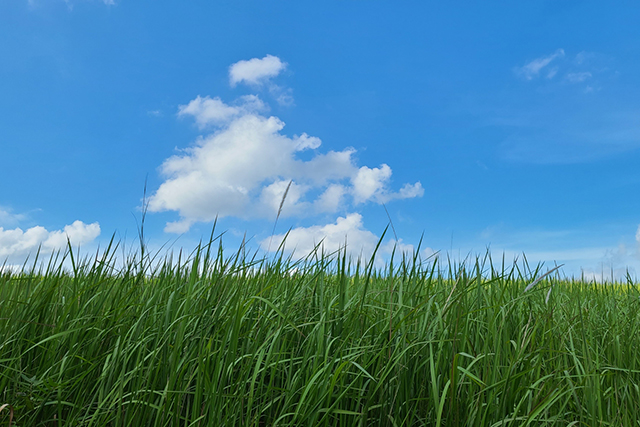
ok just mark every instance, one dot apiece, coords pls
pixel 217 340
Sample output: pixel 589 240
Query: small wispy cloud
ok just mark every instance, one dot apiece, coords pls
pixel 583 57
pixel 533 68
pixel 282 95
pixel 578 77
pixel 8 218
pixel 575 69
pixel 552 72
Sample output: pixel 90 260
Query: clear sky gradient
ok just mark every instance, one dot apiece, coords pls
pixel 513 126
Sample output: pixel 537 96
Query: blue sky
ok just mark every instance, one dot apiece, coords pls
pixel 509 126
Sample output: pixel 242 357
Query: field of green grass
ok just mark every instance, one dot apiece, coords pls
pixel 212 339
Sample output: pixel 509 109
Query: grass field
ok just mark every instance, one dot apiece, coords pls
pixel 217 340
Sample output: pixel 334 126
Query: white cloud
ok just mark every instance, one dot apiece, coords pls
pixel 212 111
pixel 243 167
pixel 255 71
pixel 331 199
pixel 372 184
pixel 349 230
pixel 408 191
pixel 304 142
pixel 638 235
pixel 17 242
pixel 272 196
pixel 178 227
pixel 578 77
pixel 226 171
pixel 258 73
pixel 533 68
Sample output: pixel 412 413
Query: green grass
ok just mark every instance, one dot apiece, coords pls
pixel 216 340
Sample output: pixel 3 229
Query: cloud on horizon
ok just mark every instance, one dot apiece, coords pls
pixel 17 242
pixel 329 238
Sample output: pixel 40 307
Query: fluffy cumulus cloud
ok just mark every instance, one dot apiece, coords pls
pixel 533 68
pixel 16 242
pixel 255 71
pixel 243 167
pixel 369 183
